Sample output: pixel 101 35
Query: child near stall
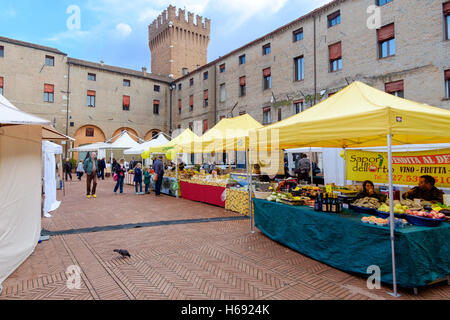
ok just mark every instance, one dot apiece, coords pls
pixel 147 178
pixel 138 178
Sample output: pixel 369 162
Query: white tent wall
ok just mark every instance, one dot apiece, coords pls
pixel 20 190
pixel 49 150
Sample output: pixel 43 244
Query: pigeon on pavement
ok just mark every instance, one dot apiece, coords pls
pixel 124 253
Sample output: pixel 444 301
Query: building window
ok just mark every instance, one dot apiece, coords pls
pixel 242 59
pixel 191 103
pixel 383 2
pixel 205 126
pixel 267 79
pixel 222 93
pixel 242 113
pixel 72 124
pixel 222 68
pixel 279 114
pixel 395 88
pixel 386 41
pixel 179 126
pixel 205 75
pixel 1 85
pixel 205 98
pixel 266 49
pixel 49 93
pixel 267 116
pixel 335 51
pixel 156 88
pixel 191 82
pixel 155 106
pixel 90 132
pixel 221 118
pixel 299 68
pixel 191 126
pixel 92 77
pixel 126 103
pixel 91 99
pixel 297 35
pixel 242 86
pixel 179 106
pixel 334 19
pixel 299 106
pixel 126 83
pixel 447 84
pixel 447 20
pixel 184 71
pixel 50 61
pixel 2 51
pixel 180 86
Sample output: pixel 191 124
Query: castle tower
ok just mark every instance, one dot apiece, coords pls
pixel 177 44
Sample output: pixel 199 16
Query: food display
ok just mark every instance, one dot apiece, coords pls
pixel 367 202
pixel 288 198
pixel 375 220
pixel 430 215
pixel 400 207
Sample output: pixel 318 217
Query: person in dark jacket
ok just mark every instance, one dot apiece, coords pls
pixel 90 166
pixel 119 169
pixel 101 169
pixel 138 178
pixel 158 166
pixel 369 191
pixel 68 168
pixel 425 191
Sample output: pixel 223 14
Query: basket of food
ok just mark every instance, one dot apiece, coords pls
pixel 365 205
pixel 425 219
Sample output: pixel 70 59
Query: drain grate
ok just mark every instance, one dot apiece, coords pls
pixel 45 232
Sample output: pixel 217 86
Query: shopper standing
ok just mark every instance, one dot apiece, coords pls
pixel 68 169
pixel 159 170
pixel 90 167
pixel 80 170
pixel 120 171
pixel 138 178
pixel 101 169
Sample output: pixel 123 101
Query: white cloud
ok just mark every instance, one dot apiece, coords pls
pixel 69 35
pixel 124 29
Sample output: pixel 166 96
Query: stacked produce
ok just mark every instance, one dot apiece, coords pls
pixel 367 202
pixel 287 198
pixel 375 220
pixel 430 215
pixel 400 207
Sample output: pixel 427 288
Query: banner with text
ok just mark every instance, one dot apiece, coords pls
pixel 407 166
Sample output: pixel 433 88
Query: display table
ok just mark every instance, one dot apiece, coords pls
pixel 202 193
pixel 344 242
pixel 237 201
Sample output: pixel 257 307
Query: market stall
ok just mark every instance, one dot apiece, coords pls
pixel 20 208
pixel 49 150
pixel 357 116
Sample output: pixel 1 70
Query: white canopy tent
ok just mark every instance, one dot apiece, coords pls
pixel 123 142
pixel 94 147
pixel 159 141
pixel 20 185
pixel 49 150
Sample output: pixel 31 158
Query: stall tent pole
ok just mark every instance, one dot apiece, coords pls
pixel 176 174
pixel 391 215
pixel 250 190
pixel 311 166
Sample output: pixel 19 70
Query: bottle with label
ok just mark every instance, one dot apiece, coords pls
pixel 325 203
pixel 318 203
pixel 338 205
pixel 334 204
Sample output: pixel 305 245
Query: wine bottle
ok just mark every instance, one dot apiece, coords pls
pixel 334 204
pixel 338 205
pixel 325 203
pixel 318 203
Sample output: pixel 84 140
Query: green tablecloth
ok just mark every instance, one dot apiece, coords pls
pixel 344 242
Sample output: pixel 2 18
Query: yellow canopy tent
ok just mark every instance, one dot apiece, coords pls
pixel 227 135
pixel 359 116
pixel 187 137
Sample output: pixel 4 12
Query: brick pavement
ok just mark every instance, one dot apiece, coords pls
pixel 215 260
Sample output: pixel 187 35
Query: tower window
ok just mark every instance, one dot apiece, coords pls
pixel 156 88
pixel 242 59
pixel 334 19
pixel 155 106
pixel 297 35
pixel 191 82
pixel 205 75
pixel 92 77
pixel 126 83
pixel 266 49
pixel 222 68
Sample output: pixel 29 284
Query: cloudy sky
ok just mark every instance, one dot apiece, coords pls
pixel 116 31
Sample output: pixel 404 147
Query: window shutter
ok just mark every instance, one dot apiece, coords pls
pixel 447 8
pixel 267 72
pixel 386 32
pixel 334 15
pixel 49 88
pixel 205 126
pixel 335 51
pixel 126 101
pixel 191 100
pixel 394 86
pixel 91 93
pixel 179 103
pixel 447 74
pixel 1 82
pixel 298 101
pixel 156 102
pixel 205 94
pixel 242 81
pixel 266 109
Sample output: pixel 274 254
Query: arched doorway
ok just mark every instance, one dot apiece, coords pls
pixel 152 134
pixel 87 134
pixel 132 132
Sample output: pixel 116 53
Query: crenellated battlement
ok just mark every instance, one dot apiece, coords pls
pixel 178 19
